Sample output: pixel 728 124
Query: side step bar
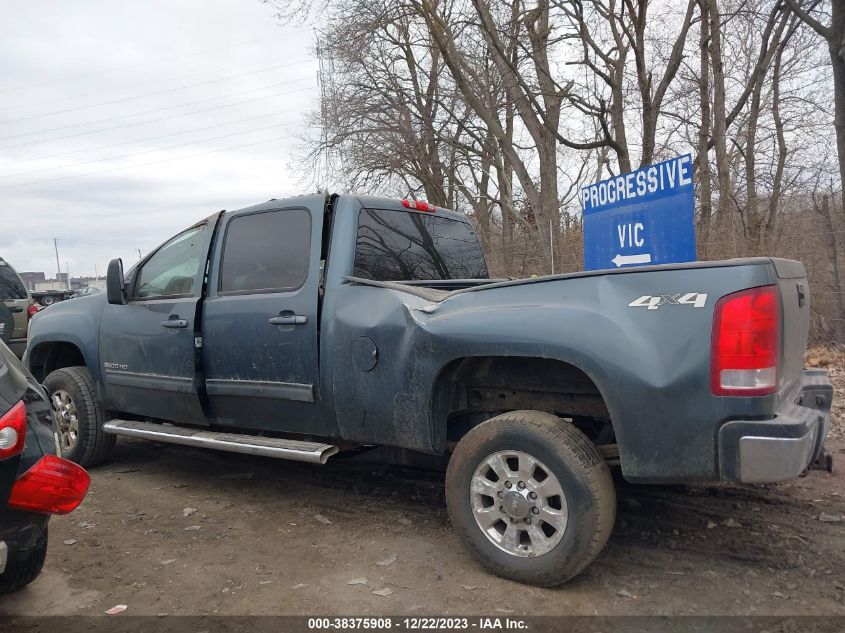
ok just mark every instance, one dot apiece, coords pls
pixel 235 443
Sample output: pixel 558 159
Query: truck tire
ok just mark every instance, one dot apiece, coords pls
pixel 22 568
pixel 79 416
pixel 531 496
pixel 47 300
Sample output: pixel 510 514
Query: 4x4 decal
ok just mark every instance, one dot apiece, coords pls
pixel 694 299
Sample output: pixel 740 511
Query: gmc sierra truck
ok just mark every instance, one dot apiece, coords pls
pixel 318 325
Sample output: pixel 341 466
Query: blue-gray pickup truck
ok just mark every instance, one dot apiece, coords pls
pixel 305 327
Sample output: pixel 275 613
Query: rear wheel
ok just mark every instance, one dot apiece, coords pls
pixel 531 496
pixel 79 416
pixel 22 568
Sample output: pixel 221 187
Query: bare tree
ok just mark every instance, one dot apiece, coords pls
pixel 505 108
pixel 834 35
pixel 612 32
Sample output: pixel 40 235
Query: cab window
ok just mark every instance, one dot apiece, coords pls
pixel 266 252
pixel 403 246
pixel 174 269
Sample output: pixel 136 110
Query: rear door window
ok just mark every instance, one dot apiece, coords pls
pixel 266 252
pixel 11 288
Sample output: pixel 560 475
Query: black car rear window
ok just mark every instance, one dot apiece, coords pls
pixel 404 246
pixel 11 287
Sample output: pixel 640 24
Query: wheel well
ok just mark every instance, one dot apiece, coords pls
pixel 469 391
pixel 49 357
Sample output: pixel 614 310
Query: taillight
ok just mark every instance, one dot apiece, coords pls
pixel 53 486
pixel 419 205
pixel 746 343
pixel 12 431
pixel 31 311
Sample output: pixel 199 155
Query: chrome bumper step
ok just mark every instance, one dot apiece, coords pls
pixel 296 450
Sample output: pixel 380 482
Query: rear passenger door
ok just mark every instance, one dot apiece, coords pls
pixel 260 319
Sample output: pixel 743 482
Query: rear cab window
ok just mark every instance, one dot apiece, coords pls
pixel 409 246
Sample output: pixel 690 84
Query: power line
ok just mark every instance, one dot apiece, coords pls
pixel 157 162
pixel 6 89
pixel 149 138
pixel 149 94
pixel 172 116
pixel 161 109
pixel 159 81
pixel 148 151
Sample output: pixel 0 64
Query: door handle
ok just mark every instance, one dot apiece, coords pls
pixel 15 309
pixel 288 319
pixel 175 322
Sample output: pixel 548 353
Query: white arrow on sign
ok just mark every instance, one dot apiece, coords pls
pixel 622 260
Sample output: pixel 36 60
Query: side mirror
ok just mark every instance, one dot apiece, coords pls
pixel 115 290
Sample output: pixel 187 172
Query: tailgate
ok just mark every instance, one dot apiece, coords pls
pixel 795 322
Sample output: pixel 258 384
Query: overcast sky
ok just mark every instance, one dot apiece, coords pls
pixel 122 123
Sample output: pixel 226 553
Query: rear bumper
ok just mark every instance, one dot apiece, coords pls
pixel 22 532
pixel 780 449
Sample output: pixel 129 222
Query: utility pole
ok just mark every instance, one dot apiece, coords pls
pixel 58 265
pixel 139 253
pixel 67 272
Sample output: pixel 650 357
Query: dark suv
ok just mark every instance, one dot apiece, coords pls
pixel 14 295
pixel 34 482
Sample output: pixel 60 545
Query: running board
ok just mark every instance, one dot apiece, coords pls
pixel 234 443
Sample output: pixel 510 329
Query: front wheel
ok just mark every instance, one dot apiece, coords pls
pixel 79 416
pixel 531 496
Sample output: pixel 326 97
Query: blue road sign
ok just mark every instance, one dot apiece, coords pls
pixel 643 217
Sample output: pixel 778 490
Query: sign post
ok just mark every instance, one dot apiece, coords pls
pixel 643 217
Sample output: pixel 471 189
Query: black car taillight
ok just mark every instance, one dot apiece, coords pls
pixel 52 486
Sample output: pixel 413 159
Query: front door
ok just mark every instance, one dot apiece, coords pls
pixel 260 319
pixel 147 346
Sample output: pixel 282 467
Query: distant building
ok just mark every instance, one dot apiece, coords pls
pixel 30 279
pixel 35 281
pixel 77 283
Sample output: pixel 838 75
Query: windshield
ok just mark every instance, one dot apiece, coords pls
pixel 402 246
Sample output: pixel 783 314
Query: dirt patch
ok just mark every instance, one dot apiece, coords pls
pixel 176 530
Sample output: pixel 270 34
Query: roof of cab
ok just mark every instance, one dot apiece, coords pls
pixel 366 202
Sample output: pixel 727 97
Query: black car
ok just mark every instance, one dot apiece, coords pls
pixel 34 482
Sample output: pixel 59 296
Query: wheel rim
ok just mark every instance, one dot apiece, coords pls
pixel 67 420
pixel 518 503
